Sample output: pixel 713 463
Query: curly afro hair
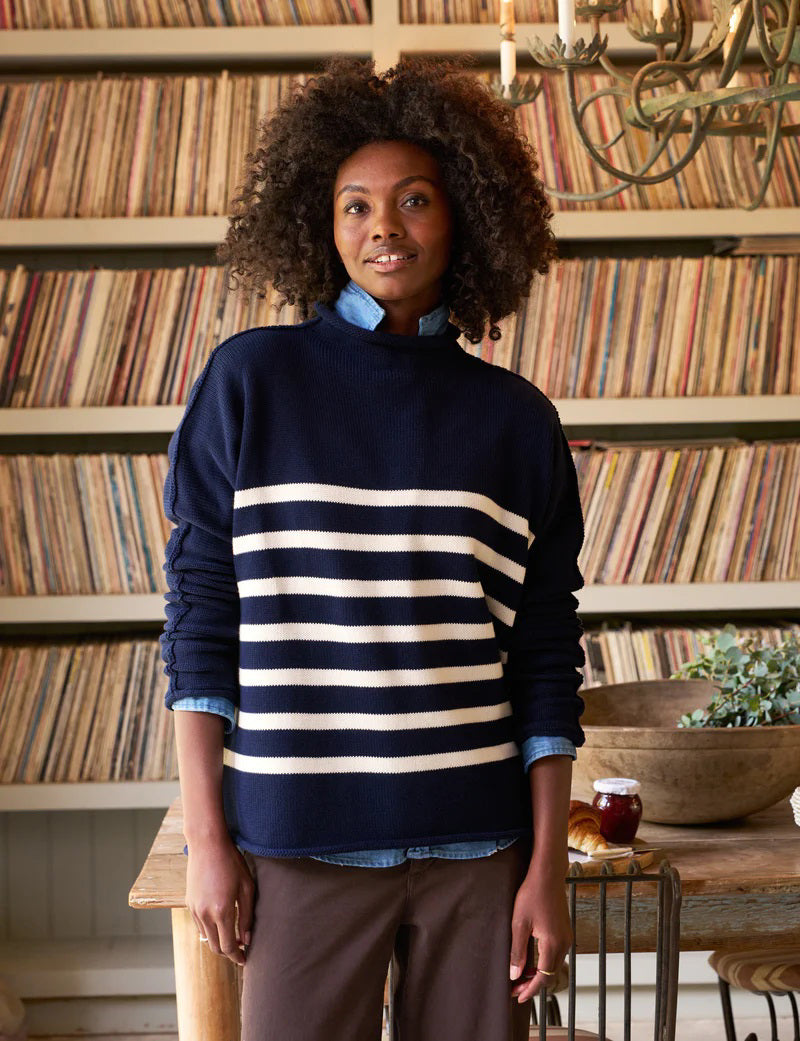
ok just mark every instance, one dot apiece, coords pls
pixel 501 232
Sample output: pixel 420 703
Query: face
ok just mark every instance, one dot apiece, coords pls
pixel 389 197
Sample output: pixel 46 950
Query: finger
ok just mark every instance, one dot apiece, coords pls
pixel 520 937
pixel 227 938
pixel 529 965
pixel 538 979
pixel 209 928
pixel 201 933
pixel 531 987
pixel 245 905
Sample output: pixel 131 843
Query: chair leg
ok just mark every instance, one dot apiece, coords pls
pixel 773 1019
pixel 795 1018
pixel 553 1011
pixel 727 1010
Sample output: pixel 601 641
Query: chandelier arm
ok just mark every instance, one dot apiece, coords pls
pixel 769 161
pixel 591 98
pixel 656 148
pixel 636 94
pixel 711 46
pixel 773 58
pixel 672 70
pixel 638 85
pixel 696 138
pixel 740 38
pixel 687 28
pixel 613 70
pixel 624 77
pixel 605 61
pixel 586 196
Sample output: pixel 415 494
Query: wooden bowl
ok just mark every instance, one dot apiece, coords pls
pixel 688 775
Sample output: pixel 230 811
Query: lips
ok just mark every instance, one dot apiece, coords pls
pixel 392 265
pixel 383 251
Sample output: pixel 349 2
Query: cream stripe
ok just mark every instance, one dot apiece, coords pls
pixel 500 611
pixel 371 720
pixel 369 677
pixel 381 497
pixel 411 542
pixel 382 587
pixel 328 631
pixel 309 585
pixel 315 586
pixel 390 764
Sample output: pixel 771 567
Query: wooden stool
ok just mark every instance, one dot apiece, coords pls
pixel 761 970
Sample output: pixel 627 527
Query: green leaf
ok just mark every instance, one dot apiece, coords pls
pixel 726 640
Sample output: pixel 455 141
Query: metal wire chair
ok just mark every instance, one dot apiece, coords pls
pixel 594 916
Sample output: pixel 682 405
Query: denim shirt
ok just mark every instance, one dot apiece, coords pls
pixel 357 306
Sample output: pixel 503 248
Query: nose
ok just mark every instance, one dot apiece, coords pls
pixel 387 223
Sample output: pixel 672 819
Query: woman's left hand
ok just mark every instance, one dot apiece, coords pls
pixel 540 910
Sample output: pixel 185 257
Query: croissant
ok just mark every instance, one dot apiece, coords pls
pixel 584 828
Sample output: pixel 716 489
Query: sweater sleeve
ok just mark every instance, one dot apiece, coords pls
pixel 544 650
pixel 200 639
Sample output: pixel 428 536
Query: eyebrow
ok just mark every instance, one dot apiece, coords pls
pixel 400 184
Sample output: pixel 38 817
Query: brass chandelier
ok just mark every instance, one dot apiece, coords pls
pixel 663 98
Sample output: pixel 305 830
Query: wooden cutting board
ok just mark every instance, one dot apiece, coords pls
pixel 620 864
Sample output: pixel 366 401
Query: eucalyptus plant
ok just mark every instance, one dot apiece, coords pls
pixel 756 685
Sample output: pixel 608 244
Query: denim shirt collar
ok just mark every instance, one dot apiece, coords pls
pixel 357 306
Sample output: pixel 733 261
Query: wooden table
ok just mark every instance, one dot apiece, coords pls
pixel 740 884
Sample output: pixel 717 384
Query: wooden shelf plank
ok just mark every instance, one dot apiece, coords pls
pixel 89 608
pixel 209 231
pixel 676 224
pixel 668 597
pixel 179 45
pixel 88 795
pixel 679 597
pixel 484 40
pixel 93 419
pixel 633 412
pixel 111 232
pixel 272 43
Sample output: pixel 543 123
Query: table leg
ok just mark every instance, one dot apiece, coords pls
pixel 206 986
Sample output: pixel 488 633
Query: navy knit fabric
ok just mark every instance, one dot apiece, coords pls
pixel 374 557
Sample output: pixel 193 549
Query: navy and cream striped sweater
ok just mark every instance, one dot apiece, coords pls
pixel 376 539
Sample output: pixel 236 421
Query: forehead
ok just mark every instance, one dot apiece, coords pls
pixel 385 161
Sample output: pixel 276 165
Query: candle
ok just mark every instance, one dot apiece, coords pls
pixel 733 25
pixel 566 24
pixel 659 10
pixel 508 48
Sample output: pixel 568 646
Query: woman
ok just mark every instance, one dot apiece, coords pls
pixel 371 631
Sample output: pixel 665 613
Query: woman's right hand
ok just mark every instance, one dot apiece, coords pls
pixel 218 881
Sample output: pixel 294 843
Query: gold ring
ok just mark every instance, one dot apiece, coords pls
pixel 544 972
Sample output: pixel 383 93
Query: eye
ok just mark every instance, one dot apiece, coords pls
pixel 415 197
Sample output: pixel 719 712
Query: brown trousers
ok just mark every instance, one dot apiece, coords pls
pixel 323 936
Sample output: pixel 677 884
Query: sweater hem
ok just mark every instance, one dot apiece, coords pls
pixel 402 843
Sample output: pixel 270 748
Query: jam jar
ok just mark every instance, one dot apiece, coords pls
pixel 620 808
